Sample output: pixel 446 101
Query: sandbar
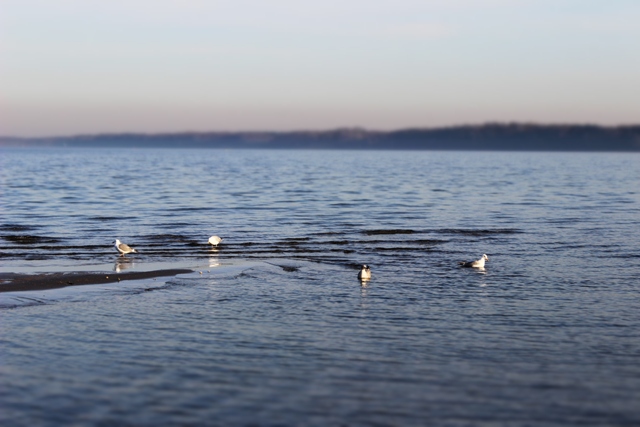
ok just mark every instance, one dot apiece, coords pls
pixel 14 282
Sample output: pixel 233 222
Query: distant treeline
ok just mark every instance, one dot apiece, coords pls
pixel 505 137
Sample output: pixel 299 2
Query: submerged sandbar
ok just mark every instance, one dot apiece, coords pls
pixel 15 282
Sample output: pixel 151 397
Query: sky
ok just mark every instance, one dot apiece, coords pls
pixel 91 66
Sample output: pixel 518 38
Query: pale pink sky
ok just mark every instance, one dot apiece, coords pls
pixel 72 66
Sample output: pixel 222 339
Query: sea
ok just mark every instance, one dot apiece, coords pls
pixel 273 327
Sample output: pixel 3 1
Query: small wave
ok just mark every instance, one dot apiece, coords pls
pixel 329 233
pixel 294 242
pixel 405 242
pixel 26 239
pixel 338 242
pixel 105 218
pixel 16 227
pixel 392 231
pixel 402 249
pixel 188 209
pixel 480 232
pixel 429 241
pixel 287 268
pixel 15 301
pixel 168 237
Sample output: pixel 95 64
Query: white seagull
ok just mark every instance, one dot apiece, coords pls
pixel 365 273
pixel 477 263
pixel 214 240
pixel 124 248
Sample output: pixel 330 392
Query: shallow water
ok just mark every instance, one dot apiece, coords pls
pixel 278 331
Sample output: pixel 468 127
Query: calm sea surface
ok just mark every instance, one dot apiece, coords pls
pixel 274 328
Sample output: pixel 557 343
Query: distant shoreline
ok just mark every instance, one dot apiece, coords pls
pixel 486 137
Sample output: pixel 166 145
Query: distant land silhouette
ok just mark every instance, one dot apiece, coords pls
pixel 491 136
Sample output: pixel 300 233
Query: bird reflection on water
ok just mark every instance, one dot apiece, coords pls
pixel 122 264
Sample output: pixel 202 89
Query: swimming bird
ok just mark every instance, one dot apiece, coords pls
pixel 365 273
pixel 123 248
pixel 214 240
pixel 475 264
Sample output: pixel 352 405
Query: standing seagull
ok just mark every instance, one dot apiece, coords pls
pixel 214 240
pixel 365 273
pixel 475 264
pixel 124 248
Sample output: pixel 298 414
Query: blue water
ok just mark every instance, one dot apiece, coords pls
pixel 273 328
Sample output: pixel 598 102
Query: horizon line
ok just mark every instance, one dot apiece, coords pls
pixel 332 129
